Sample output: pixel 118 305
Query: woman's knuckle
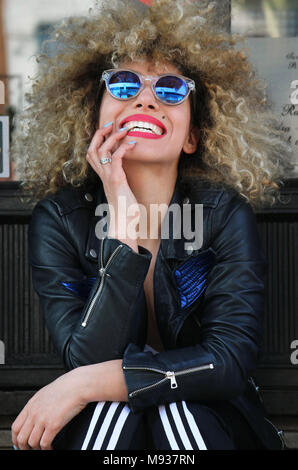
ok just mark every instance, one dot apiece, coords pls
pixel 55 426
pixel 98 133
pixel 45 444
pixel 45 441
pixel 90 154
pixel 14 428
pixel 33 443
pixel 21 441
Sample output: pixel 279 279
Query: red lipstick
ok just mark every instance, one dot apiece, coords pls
pixel 144 118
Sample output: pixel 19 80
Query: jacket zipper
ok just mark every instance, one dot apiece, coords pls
pixel 280 433
pixel 169 375
pixel 103 274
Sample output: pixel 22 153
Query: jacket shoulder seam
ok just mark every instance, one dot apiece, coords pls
pixel 213 196
pixel 64 207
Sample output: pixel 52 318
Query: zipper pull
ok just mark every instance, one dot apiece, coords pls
pixel 171 376
pixel 102 272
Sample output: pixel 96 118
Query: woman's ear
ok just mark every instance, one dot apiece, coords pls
pixel 191 142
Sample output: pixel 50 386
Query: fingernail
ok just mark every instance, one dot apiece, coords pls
pixel 108 124
pixel 132 142
pixel 123 129
pixel 15 448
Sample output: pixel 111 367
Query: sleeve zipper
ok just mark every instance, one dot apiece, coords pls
pixel 103 274
pixel 169 375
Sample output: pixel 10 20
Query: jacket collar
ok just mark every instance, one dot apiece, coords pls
pixel 188 192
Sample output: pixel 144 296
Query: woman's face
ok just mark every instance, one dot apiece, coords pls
pixel 175 119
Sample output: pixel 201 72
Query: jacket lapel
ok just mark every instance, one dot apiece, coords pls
pixel 182 267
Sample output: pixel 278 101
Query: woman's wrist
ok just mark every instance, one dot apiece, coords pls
pixel 102 382
pixel 132 242
pixel 79 377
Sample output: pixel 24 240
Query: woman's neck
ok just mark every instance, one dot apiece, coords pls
pixel 153 187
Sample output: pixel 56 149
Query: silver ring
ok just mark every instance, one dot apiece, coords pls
pixel 105 160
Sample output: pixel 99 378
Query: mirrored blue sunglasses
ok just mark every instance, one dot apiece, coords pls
pixel 125 84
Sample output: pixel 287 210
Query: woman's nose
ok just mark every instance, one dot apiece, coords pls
pixel 146 98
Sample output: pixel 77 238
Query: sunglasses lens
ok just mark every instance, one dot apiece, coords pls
pixel 124 84
pixel 171 89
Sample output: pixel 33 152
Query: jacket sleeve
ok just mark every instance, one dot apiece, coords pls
pixel 218 365
pixel 99 326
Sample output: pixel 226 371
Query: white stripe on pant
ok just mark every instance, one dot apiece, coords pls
pixel 169 429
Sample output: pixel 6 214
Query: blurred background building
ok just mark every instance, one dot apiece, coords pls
pixel 271 28
pixel 260 18
pixel 24 25
pixel 271 31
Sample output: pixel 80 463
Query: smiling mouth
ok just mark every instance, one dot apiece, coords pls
pixel 141 125
pixel 144 129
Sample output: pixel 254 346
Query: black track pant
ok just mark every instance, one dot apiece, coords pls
pixel 174 426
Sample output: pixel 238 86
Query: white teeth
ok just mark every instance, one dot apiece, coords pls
pixel 139 129
pixel 144 127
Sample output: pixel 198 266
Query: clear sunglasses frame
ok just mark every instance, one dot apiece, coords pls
pixel 107 74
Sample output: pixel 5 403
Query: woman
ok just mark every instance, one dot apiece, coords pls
pixel 160 335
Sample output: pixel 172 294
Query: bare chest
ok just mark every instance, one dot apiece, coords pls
pixel 153 337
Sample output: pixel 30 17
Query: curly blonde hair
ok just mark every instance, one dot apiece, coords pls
pixel 240 145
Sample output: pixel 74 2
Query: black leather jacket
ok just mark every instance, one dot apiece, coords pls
pixel 208 301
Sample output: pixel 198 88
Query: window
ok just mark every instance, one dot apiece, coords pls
pixel 271 30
